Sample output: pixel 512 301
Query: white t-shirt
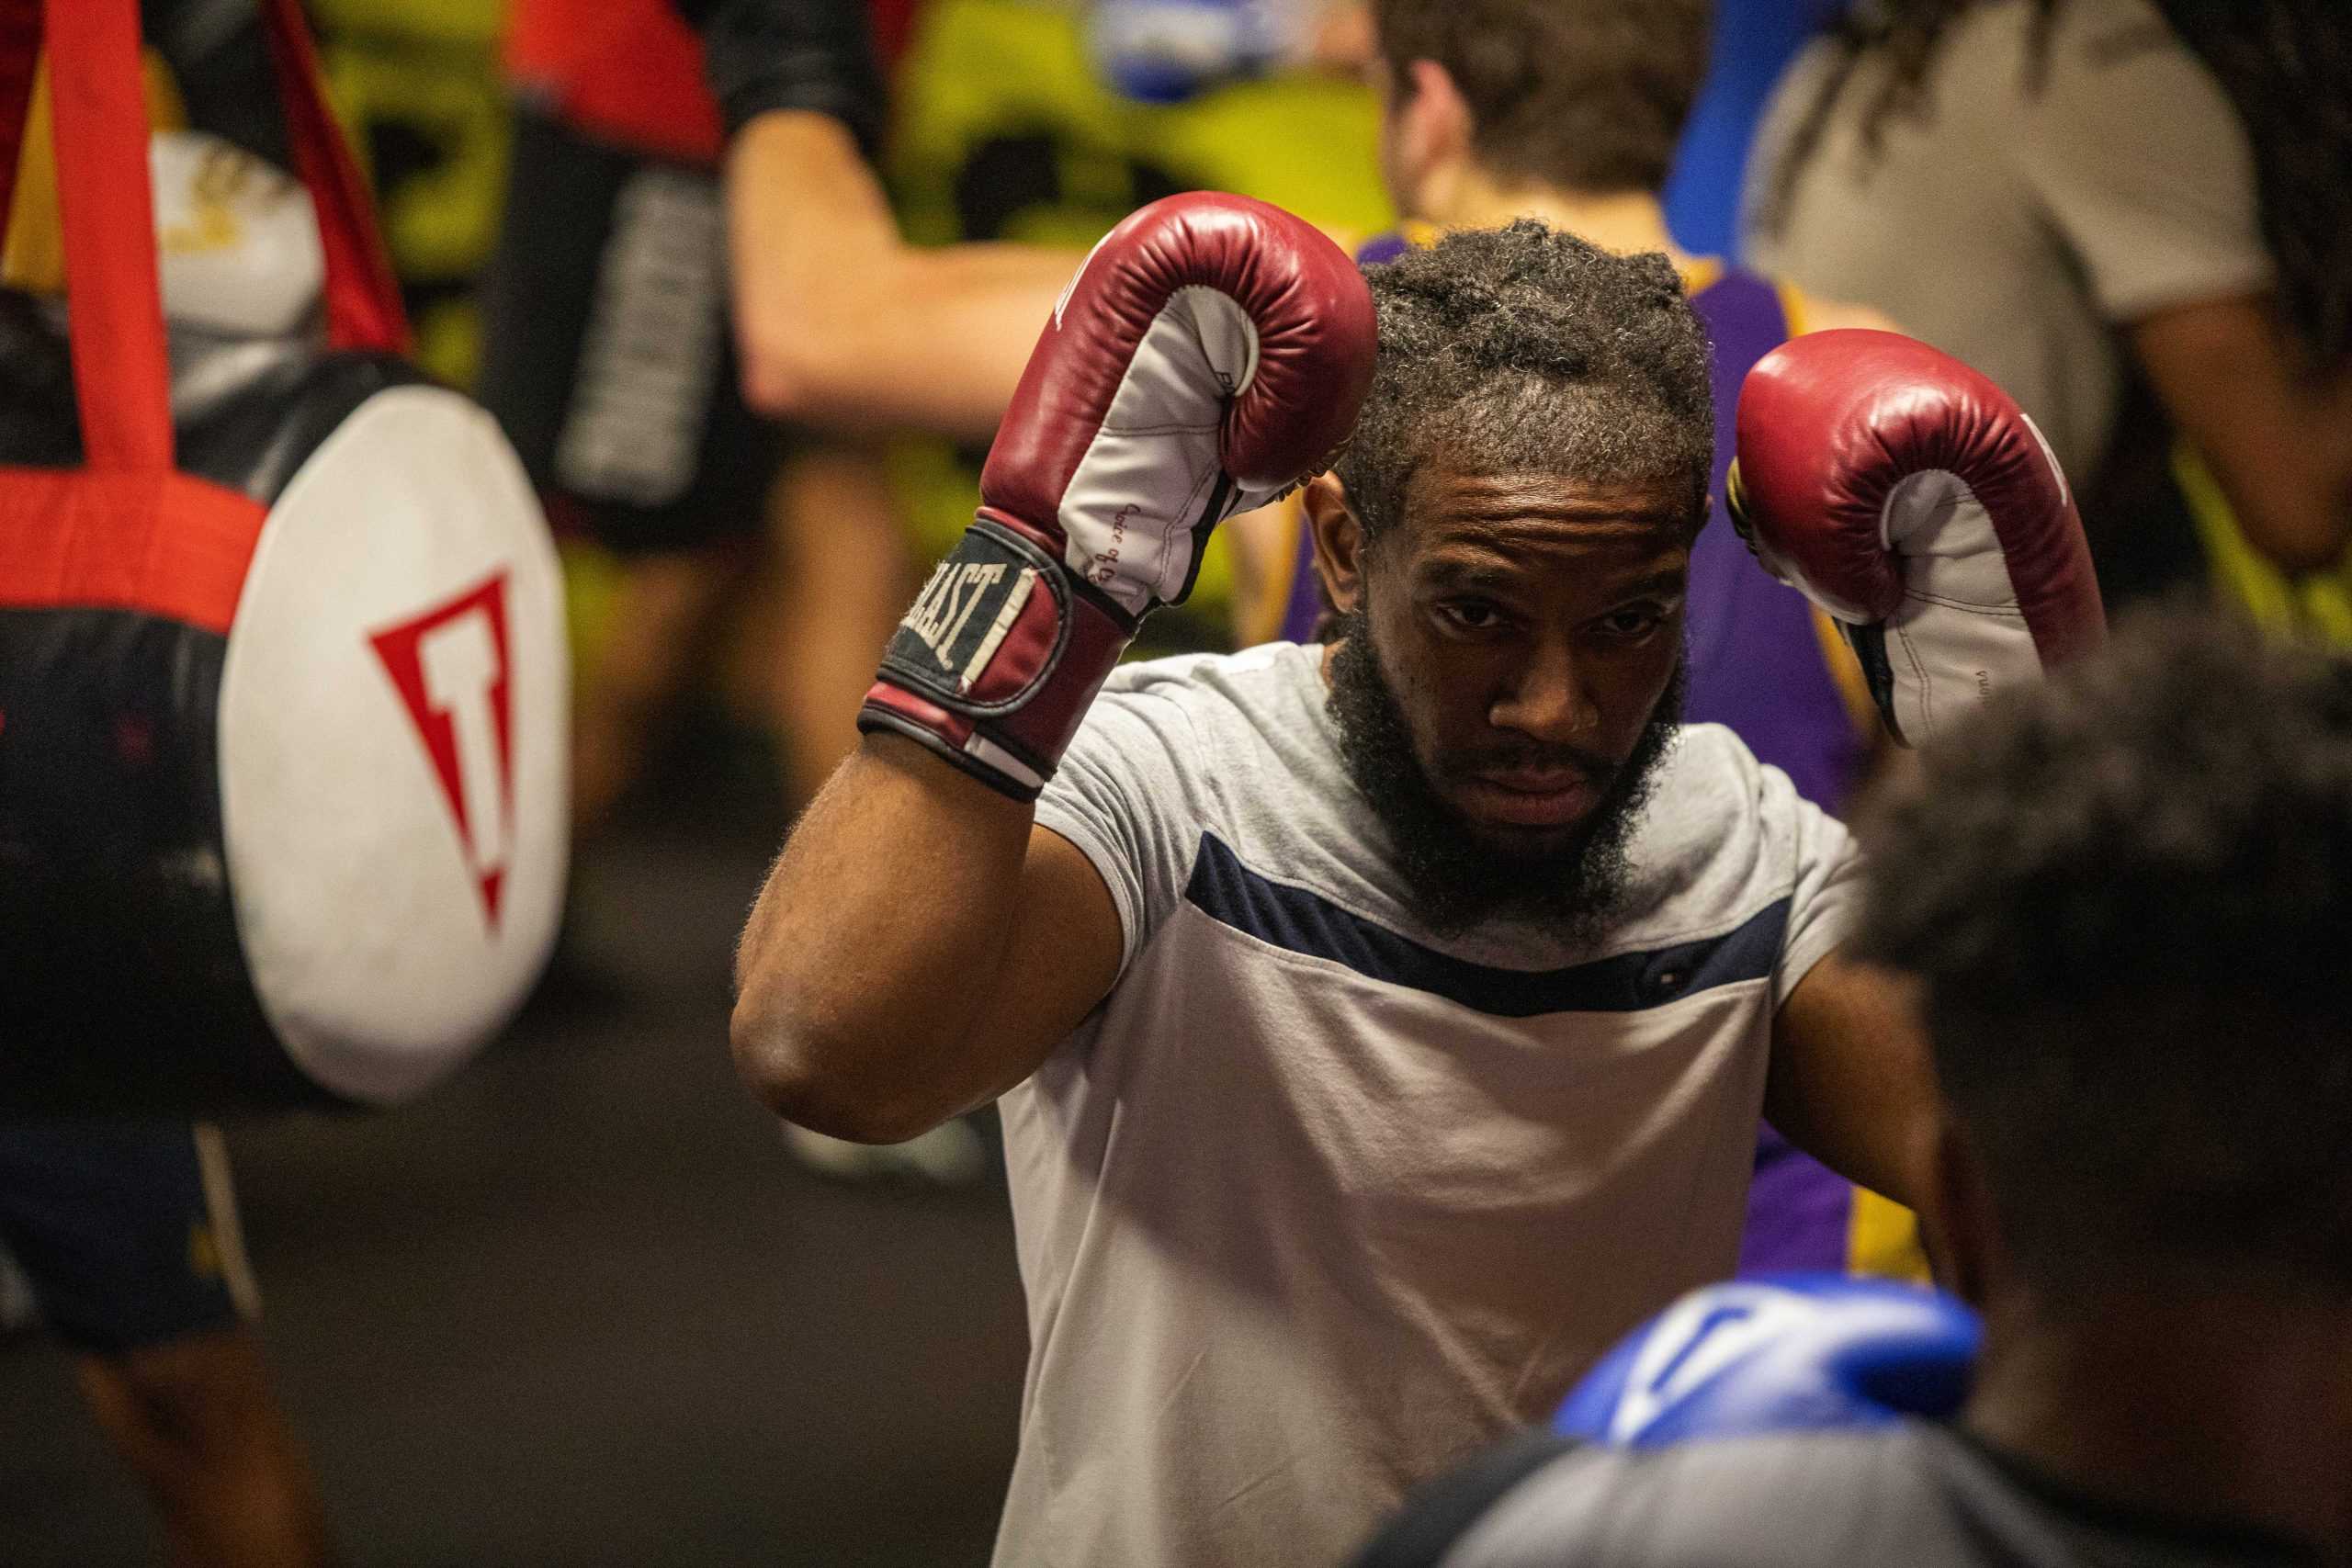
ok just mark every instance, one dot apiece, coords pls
pixel 1316 1202
pixel 2020 228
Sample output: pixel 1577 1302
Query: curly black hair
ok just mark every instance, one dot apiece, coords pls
pixel 2284 65
pixel 2128 898
pixel 1590 95
pixel 1525 350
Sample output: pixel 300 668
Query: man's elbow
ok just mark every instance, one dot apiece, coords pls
pixel 791 1067
pixel 813 362
pixel 778 378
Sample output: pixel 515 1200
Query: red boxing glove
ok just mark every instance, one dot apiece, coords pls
pixel 1913 501
pixel 1211 353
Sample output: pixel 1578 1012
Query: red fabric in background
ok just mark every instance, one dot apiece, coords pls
pixel 629 71
pixel 893 27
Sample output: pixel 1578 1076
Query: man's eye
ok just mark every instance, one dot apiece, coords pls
pixel 1470 615
pixel 1631 624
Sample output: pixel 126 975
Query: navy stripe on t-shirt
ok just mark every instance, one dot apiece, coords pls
pixel 1304 922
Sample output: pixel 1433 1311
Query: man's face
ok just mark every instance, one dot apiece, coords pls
pixel 1510 675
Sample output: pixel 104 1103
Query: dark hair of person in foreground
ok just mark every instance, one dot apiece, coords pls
pixel 2128 899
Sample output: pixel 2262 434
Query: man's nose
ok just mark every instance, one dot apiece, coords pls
pixel 1548 701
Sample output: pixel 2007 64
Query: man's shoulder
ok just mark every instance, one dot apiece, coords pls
pixel 1186 723
pixel 1253 687
pixel 1723 836
pixel 1711 781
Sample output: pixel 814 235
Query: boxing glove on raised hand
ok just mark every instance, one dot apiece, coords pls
pixel 1914 501
pixel 1775 1354
pixel 1211 353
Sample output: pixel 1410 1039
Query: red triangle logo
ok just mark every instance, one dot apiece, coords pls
pixel 451 668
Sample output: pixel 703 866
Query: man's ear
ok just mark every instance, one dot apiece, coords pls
pixel 1338 541
pixel 1425 139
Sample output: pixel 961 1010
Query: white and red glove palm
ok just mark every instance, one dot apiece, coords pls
pixel 1211 351
pixel 1914 501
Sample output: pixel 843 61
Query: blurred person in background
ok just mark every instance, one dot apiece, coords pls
pixel 125 1234
pixel 1570 111
pixel 609 359
pixel 1753 43
pixel 2136 215
pixel 2121 902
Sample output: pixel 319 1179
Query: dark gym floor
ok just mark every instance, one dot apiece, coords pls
pixel 578 1307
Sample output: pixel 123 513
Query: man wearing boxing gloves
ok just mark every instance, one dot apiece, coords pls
pixel 2123 898
pixel 1381 1027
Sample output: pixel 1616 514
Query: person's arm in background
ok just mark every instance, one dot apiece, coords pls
pixel 2279 444
pixel 2138 158
pixel 839 322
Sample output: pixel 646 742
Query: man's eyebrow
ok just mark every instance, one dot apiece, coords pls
pixel 1671 582
pixel 1458 571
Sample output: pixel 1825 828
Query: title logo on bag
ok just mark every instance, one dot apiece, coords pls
pixel 451 669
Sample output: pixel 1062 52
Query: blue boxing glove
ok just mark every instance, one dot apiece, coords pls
pixel 1789 1352
pixel 1778 1353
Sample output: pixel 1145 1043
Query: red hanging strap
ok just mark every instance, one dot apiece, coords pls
pixel 121 373
pixel 121 378
pixel 125 532
pixel 362 298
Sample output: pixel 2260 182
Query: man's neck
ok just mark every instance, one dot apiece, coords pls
pixel 2225 1408
pixel 1622 221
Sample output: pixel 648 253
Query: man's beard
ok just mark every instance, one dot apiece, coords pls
pixel 1461 874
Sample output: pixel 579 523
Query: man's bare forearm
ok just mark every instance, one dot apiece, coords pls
pixel 881 928
pixel 1851 1083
